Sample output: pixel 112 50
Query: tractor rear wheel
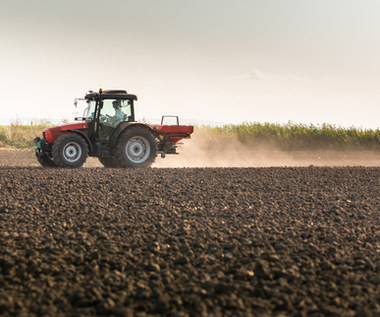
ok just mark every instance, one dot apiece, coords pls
pixel 136 148
pixel 109 162
pixel 70 150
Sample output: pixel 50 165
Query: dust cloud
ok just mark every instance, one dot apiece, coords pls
pixel 207 149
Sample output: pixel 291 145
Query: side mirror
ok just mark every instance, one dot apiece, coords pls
pixel 76 101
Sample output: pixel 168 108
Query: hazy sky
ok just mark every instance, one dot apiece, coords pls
pixel 308 61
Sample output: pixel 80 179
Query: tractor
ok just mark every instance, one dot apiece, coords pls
pixel 108 131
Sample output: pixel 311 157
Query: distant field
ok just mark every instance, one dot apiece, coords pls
pixel 20 136
pixel 287 137
pixel 291 136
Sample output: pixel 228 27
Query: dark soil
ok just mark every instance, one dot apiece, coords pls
pixel 190 242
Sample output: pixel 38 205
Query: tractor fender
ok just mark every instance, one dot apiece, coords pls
pixel 84 136
pixel 123 127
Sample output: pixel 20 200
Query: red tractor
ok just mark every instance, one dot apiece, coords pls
pixel 109 132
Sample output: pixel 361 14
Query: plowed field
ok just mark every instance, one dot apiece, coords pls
pixel 283 241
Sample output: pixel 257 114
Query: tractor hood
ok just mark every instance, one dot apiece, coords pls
pixel 53 133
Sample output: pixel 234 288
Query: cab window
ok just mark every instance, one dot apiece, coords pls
pixel 115 111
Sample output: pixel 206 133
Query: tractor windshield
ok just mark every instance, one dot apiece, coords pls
pixel 115 111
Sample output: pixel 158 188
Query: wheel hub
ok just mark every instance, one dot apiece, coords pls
pixel 72 152
pixel 138 149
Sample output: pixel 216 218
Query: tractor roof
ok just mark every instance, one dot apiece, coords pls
pixel 110 94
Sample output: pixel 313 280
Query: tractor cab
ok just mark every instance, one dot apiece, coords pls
pixel 106 110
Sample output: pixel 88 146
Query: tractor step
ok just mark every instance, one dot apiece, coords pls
pixel 102 150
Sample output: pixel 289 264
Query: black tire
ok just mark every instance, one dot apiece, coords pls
pixel 136 148
pixel 109 162
pixel 46 161
pixel 70 150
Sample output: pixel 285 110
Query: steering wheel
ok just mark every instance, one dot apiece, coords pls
pixel 105 118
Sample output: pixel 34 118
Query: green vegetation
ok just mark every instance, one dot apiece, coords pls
pixel 292 136
pixel 21 136
pixel 286 137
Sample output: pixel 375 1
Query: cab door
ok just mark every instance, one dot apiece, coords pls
pixel 112 113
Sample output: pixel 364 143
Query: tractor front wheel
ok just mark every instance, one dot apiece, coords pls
pixel 136 148
pixel 70 150
pixel 45 160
